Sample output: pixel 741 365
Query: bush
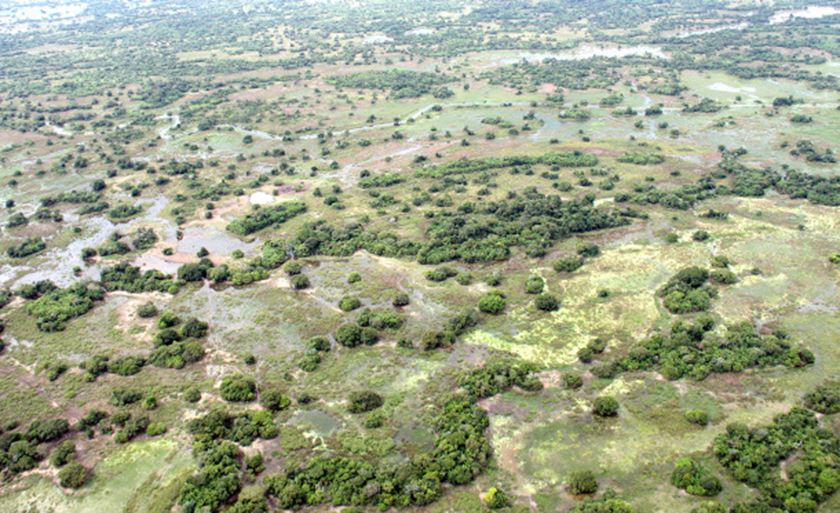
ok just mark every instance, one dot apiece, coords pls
pixel 293 267
pixel 588 249
pixel 147 310
pixel 274 400
pixel 672 238
pixel 724 276
pixel 605 406
pixel 546 302
pixel 364 401
pixel 63 454
pixel 300 282
pixel 354 277
pixel 348 304
pixel 534 285
pixel 238 388
pixel 492 303
pixel 125 396
pixel 700 236
pixel 568 265
pixel 573 380
pixel 156 429
pixel 168 319
pixel 825 398
pixel 582 481
pixel 441 274
pixel 495 498
pixel 695 479
pixel 192 395
pixel 73 475
pixel 400 299
pixel 699 417
pixel 834 258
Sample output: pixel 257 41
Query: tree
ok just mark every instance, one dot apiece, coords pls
pixel 400 299
pixel 492 303
pixel 605 406
pixel 148 309
pixel 238 388
pixel 274 400
pixel 362 401
pixel 495 498
pixel 582 481
pixel 546 302
pixel 73 475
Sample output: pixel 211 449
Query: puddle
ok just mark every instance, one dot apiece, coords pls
pixel 317 422
pixel 216 241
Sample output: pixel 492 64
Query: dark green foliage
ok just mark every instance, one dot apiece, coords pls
pixel 293 267
pixel 568 265
pixel 605 406
pixel 641 159
pixel 572 380
pixel 723 276
pixel 265 217
pixel 440 274
pixel 349 304
pixel 492 303
pixel 128 366
pixel 194 328
pixel 300 282
pixel 238 388
pixel 362 401
pixel 146 310
pixel 354 277
pixel 402 83
pixel 274 400
pixel 63 453
pixel 534 285
pixel 40 431
pixel 123 212
pixel 73 475
pixel 192 395
pixel 546 302
pixel 588 249
pixel 496 498
pixel 28 247
pixel 699 417
pixel 494 378
pixel 195 272
pixel 606 503
pixel 55 308
pixel 824 398
pixel 695 479
pixel 692 350
pixel 217 480
pixel 168 319
pixel 352 335
pixel 124 276
pixel 52 370
pixel 380 319
pixel 753 456
pixel 155 429
pixel 144 238
pixel 125 396
pixel 113 246
pixel 242 428
pixel 435 339
pixel 700 236
pixel 380 181
pixel 683 292
pixel 400 299
pixel 581 482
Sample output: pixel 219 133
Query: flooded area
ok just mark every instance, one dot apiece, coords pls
pixel 582 52
pixel 811 12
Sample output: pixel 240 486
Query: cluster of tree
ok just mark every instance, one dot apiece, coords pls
pixel 241 428
pixel 693 350
pixel 97 365
pixel 753 456
pixel 54 308
pixel 695 478
pixel 641 159
pixel 465 166
pixel 825 398
pixel 124 276
pixel 686 292
pixel 19 451
pixel 30 246
pixel 266 216
pixel 608 502
pixel 403 83
pixel 176 348
pixel 386 180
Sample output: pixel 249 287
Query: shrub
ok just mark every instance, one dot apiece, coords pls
pixel 400 299
pixel 605 406
pixel 700 236
pixel 672 238
pixel 834 258
pixel 125 396
pixel 238 388
pixel 354 277
pixel 573 380
pixel 147 310
pixel 293 267
pixel 534 285
pixel 492 303
pixel 349 335
pixel 364 401
pixel 724 276
pixel 699 417
pixel 192 395
pixel 300 282
pixel 441 274
pixel 546 302
pixel 348 304
pixel 695 479
pixel 582 481
pixel 168 319
pixel 274 400
pixel 156 429
pixel 588 249
pixel 73 475
pixel 825 398
pixel 568 265
pixel 64 453
pixel 495 498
